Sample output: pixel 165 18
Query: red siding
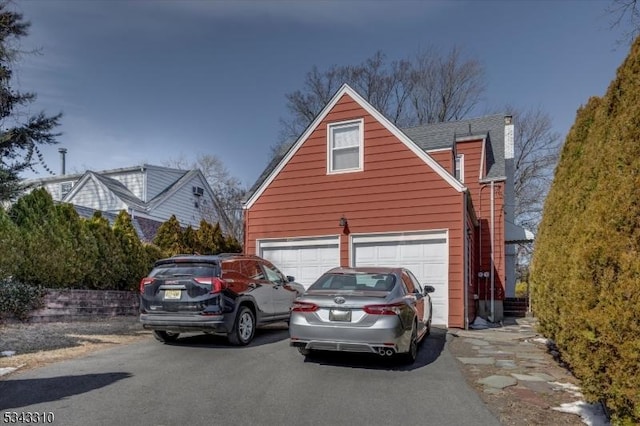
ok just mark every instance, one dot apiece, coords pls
pixel 481 196
pixel 396 192
pixel 445 159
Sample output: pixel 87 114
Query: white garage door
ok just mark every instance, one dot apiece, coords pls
pixel 305 259
pixel 424 254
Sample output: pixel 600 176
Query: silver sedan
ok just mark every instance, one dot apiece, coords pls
pixel 367 309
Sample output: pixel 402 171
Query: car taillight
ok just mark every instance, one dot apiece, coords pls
pixel 145 282
pixel 304 307
pixel 217 284
pixel 393 309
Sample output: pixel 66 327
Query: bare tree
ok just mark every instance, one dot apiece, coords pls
pixel 537 148
pixel 445 87
pixel 625 14
pixel 386 85
pixel 228 192
pixel 429 88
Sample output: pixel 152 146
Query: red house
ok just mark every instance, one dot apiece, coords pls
pixel 356 190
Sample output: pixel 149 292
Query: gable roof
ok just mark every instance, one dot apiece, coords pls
pixel 114 186
pixel 277 164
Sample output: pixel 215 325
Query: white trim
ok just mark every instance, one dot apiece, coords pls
pixel 296 242
pixel 348 123
pixel 439 150
pixel 346 90
pixel 483 160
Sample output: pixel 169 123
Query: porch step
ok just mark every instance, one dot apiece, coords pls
pixel 515 307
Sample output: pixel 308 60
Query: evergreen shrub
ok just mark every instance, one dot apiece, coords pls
pixel 586 266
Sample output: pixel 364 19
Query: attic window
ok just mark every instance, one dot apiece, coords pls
pixel 345 147
pixel 65 188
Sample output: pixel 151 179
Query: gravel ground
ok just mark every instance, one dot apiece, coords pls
pixel 32 345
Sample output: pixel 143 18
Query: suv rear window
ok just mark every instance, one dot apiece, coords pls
pixel 358 281
pixel 185 270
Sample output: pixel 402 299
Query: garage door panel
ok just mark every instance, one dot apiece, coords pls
pixel 427 259
pixel 305 262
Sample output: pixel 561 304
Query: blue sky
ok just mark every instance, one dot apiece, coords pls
pixel 148 81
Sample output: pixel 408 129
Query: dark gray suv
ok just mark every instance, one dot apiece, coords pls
pixel 228 294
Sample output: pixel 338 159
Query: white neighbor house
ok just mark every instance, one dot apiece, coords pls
pixel 145 191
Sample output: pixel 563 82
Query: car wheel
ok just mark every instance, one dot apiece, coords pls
pixel 165 336
pixel 410 357
pixel 244 327
pixel 304 351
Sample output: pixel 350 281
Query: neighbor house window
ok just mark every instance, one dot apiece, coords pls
pixel 65 188
pixel 460 167
pixel 345 147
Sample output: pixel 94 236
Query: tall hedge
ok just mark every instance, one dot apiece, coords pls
pixel 11 246
pixel 131 247
pixel 47 244
pixel 109 269
pixel 586 266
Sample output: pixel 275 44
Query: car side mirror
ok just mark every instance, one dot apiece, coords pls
pixel 429 289
pixel 290 278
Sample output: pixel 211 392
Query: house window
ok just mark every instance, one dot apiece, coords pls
pixel 198 191
pixel 460 167
pixel 65 188
pixel 345 147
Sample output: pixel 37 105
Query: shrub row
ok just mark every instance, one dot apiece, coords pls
pixel 586 266
pixel 49 245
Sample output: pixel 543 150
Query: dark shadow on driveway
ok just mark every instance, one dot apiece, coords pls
pixel 24 392
pixel 428 351
pixel 265 335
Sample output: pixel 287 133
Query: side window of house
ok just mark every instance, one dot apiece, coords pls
pixel 345 146
pixel 408 283
pixel 252 270
pixel 460 167
pixel 273 274
pixel 65 188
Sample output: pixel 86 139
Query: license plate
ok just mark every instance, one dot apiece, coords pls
pixel 172 294
pixel 339 315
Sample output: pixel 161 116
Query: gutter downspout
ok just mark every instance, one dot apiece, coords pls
pixel 465 278
pixel 493 317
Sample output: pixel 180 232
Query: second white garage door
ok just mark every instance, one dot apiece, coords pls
pixel 305 259
pixel 424 254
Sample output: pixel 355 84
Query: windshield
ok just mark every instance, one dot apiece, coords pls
pixel 355 281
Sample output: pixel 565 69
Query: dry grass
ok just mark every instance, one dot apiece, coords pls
pixel 40 344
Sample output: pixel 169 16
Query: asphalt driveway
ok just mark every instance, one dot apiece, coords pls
pixel 201 380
